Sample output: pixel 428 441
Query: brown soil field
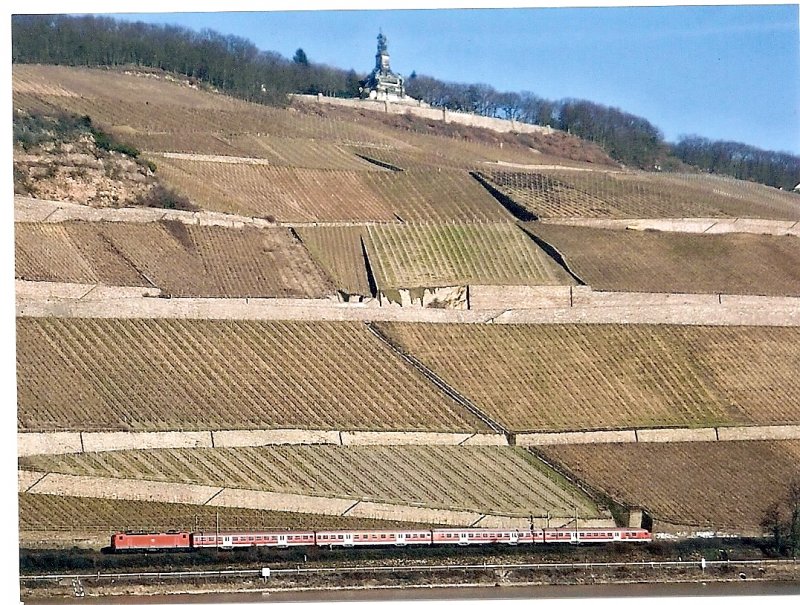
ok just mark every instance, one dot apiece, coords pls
pixel 570 377
pixel 182 260
pixel 45 516
pixel 446 255
pixel 678 262
pixel 84 374
pixel 338 250
pixel 725 485
pixel 480 478
pixel 565 193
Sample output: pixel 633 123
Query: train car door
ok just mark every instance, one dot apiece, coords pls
pixel 400 539
pixel 283 541
pixel 514 539
pixel 463 538
pixel 348 539
pixel 616 535
pixel 227 541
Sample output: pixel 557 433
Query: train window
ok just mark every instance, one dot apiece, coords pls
pixel 341 537
pixel 449 535
pixel 383 535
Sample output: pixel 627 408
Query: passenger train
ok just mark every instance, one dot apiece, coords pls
pixel 349 538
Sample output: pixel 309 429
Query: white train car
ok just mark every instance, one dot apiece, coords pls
pixel 374 537
pixel 231 540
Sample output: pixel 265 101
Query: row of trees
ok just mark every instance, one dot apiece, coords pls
pixel 740 160
pixel 230 63
pixel 630 139
pixel 627 138
pixel 236 66
pixel 782 520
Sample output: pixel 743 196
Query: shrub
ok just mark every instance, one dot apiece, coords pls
pixel 161 197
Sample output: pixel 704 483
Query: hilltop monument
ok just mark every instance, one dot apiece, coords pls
pixel 383 84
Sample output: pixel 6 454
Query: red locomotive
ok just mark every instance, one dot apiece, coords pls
pixel 143 541
pixel 348 538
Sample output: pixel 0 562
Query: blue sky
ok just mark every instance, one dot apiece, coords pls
pixel 725 72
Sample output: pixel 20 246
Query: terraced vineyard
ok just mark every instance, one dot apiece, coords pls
pixel 678 262
pixel 69 253
pixel 414 159
pixel 100 517
pixel 570 377
pixel 339 251
pixel 286 194
pixel 499 479
pixel 84 374
pixel 302 153
pixel 431 196
pixel 306 195
pixel 182 260
pixel 447 255
pixel 584 193
pixel 713 484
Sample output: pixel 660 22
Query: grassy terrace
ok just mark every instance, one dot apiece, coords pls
pixel 446 255
pixel 678 262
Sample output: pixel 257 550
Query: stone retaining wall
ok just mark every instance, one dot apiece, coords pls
pixel 121 440
pixel 439 297
pixel 123 489
pixel 62 442
pixel 675 435
pixel 519 297
pixel 34 443
pixel 496 304
pixel 687 225
pixel 244 438
pixel 27 479
pixel 294 503
pixel 533 439
pixel 32 210
pixel 748 433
